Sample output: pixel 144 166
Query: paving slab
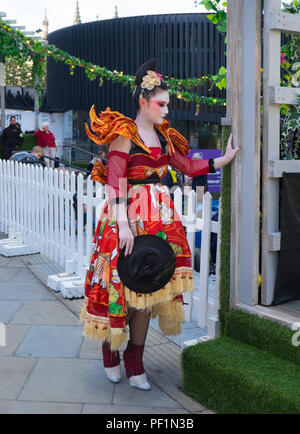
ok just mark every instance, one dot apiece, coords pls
pixel 25 407
pixel 155 339
pixel 43 270
pixel 51 341
pixel 14 372
pixel 119 409
pixel 14 336
pixel 8 309
pixel 23 275
pixel 33 290
pixel 11 262
pixel 37 259
pixel 8 275
pixel 91 349
pixel 124 393
pixel 44 313
pixel 68 380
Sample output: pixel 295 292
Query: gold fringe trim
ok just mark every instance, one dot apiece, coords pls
pixel 117 339
pixel 171 316
pixel 94 329
pixel 168 326
pixel 182 281
pixel 172 309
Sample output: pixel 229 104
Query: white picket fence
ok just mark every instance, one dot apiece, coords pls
pixel 36 210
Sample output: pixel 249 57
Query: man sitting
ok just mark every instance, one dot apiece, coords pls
pixel 29 157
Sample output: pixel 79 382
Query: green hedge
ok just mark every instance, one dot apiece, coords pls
pixel 225 235
pixel 263 334
pixel 80 164
pixel 28 144
pixel 228 376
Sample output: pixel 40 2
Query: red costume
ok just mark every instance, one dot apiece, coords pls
pixel 150 210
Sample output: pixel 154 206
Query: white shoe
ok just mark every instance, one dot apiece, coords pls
pixel 140 381
pixel 113 374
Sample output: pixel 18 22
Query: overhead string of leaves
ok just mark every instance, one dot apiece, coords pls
pixel 15 43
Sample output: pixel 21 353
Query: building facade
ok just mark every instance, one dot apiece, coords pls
pixel 187 45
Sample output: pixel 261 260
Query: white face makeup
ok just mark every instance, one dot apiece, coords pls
pixel 157 108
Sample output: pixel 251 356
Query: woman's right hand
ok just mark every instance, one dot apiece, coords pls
pixel 126 238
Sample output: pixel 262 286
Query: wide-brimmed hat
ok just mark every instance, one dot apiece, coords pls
pixel 149 267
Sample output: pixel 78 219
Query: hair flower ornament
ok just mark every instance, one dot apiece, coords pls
pixel 151 80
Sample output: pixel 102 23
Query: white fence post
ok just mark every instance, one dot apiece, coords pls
pixel 189 221
pixel 205 260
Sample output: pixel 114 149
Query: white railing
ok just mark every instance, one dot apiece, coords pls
pixel 37 203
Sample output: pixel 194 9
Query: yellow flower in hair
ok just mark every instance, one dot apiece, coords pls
pixel 151 73
pixel 150 80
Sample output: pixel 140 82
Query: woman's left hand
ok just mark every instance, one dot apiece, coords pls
pixel 230 153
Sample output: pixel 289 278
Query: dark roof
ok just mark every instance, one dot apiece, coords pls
pixel 23 99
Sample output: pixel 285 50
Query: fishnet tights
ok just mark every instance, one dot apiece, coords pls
pixel 138 321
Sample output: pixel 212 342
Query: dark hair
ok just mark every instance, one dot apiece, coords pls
pixel 141 72
pixel 12 116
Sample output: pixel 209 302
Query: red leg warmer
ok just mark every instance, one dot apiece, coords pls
pixel 110 358
pixel 133 362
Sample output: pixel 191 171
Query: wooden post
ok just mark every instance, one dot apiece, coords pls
pixel 244 28
pixel 275 21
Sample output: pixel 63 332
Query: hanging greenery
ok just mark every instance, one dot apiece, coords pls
pixel 15 43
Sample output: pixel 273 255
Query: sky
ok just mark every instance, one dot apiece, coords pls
pixel 60 13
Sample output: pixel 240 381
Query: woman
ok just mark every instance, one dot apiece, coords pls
pixel 139 154
pixel 46 140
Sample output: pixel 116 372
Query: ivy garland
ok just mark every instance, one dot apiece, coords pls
pixel 15 43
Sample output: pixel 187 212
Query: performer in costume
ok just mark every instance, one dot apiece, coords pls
pixel 139 153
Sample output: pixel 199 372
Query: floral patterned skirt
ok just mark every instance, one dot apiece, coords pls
pixel 150 211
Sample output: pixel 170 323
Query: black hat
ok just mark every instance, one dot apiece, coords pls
pixel 149 267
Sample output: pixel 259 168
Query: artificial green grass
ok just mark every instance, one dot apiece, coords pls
pixel 225 235
pixel 263 334
pixel 228 376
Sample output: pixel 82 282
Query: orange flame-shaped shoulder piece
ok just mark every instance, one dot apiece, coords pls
pixel 99 173
pixel 110 125
pixel 173 137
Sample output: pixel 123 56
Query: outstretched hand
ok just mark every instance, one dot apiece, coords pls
pixel 230 153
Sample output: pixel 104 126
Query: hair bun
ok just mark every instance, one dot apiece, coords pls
pixel 151 64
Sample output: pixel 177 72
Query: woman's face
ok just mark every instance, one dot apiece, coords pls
pixel 156 108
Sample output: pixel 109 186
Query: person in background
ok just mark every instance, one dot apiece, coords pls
pixel 12 138
pixel 46 140
pixel 213 250
pixel 199 181
pixel 173 178
pixel 28 157
pixel 100 157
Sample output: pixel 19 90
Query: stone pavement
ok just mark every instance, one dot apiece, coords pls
pixel 48 366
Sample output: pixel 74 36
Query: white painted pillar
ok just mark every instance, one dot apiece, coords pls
pixel 244 21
